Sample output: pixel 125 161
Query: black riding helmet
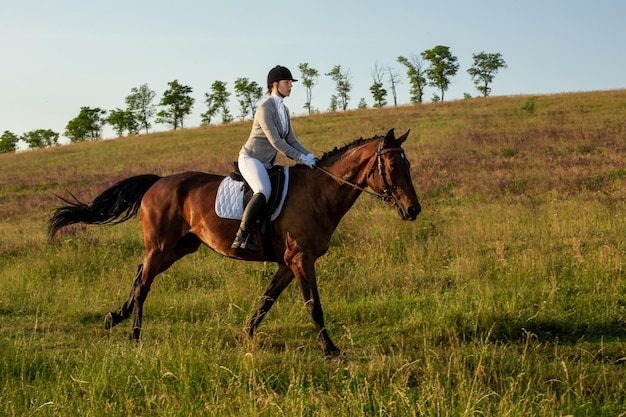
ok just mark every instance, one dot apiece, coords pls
pixel 278 73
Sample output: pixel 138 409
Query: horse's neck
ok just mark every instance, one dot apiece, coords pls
pixel 354 166
pixel 350 176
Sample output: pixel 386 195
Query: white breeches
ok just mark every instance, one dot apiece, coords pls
pixel 255 173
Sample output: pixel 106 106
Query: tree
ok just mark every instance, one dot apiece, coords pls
pixel 485 67
pixel 378 92
pixel 342 85
pixel 443 65
pixel 87 125
pixel 123 120
pixel 309 78
pixel 40 138
pixel 8 142
pixel 178 104
pixel 333 103
pixel 394 80
pixel 217 101
pixel 139 102
pixel 248 94
pixel 417 79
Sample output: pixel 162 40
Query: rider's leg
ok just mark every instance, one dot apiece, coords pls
pixel 257 177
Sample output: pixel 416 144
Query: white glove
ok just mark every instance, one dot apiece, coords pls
pixel 308 160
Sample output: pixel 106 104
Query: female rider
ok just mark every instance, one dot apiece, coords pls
pixel 271 133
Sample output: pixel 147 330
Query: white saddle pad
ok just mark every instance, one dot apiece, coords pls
pixel 229 201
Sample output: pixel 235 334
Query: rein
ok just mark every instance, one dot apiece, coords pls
pixel 386 195
pixel 356 187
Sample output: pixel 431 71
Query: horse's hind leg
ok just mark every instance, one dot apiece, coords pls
pixel 115 317
pixel 155 262
pixel 280 281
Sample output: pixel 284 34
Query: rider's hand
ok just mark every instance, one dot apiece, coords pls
pixel 308 160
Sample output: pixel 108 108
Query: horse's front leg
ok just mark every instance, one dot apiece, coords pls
pixel 308 285
pixel 303 266
pixel 280 281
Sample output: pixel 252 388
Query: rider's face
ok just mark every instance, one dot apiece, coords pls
pixel 284 87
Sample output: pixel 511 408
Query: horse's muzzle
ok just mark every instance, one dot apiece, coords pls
pixel 410 213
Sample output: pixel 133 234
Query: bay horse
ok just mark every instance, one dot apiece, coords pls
pixel 178 215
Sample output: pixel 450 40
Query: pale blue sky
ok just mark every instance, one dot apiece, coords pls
pixel 57 56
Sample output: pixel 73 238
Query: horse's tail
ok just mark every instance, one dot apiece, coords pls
pixel 114 205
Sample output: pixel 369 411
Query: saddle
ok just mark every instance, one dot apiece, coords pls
pixel 277 179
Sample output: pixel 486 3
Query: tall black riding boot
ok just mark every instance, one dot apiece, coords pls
pixel 253 212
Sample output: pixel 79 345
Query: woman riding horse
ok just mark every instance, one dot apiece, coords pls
pixel 178 215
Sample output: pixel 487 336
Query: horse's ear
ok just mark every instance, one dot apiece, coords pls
pixel 402 138
pixel 390 135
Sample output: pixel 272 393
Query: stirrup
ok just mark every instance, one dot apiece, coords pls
pixel 244 240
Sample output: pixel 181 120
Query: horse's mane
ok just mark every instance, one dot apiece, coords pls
pixel 328 156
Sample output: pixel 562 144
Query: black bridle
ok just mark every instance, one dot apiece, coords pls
pixel 386 195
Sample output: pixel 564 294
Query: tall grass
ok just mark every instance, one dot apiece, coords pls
pixel 507 296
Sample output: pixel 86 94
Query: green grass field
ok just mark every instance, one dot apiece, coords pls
pixel 506 297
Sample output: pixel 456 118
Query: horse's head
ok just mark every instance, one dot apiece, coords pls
pixel 390 176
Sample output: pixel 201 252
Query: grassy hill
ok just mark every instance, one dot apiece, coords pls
pixel 507 296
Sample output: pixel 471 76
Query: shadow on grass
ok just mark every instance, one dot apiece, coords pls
pixel 92 317
pixel 512 329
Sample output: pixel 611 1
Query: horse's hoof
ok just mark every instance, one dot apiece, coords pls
pixel 243 337
pixel 338 358
pixel 108 321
